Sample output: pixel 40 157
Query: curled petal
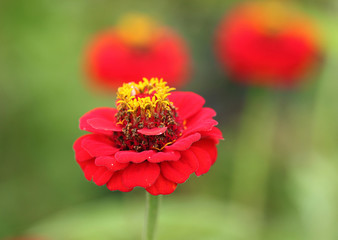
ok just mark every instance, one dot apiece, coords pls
pixel 104 125
pixel 98 145
pixel 202 121
pixel 140 174
pixel 150 155
pixel 101 176
pixel 179 171
pixel 204 160
pixel 152 131
pixel 89 168
pixel 162 186
pixel 80 153
pixel 133 156
pixel 164 156
pixel 180 100
pixel 209 146
pixel 100 120
pixel 115 183
pixel 184 143
pixel 205 113
pixel 214 134
pixel 110 163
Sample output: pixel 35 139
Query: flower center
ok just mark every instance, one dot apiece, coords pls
pixel 149 120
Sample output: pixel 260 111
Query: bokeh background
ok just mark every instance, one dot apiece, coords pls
pixel 276 174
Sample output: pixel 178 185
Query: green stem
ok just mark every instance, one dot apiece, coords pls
pixel 252 165
pixel 152 206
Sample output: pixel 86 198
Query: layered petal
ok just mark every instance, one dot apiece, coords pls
pixel 80 153
pixel 215 134
pixel 180 100
pixel 110 163
pixel 209 146
pixel 184 143
pixel 204 160
pixel 98 145
pixel 141 174
pixel 88 168
pixel 179 171
pixel 100 120
pixel 202 121
pixel 166 156
pixel 115 183
pixel 150 155
pixel 133 156
pixel 99 175
pixel 103 125
pixel 162 186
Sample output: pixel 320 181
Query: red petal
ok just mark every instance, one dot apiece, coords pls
pixel 164 156
pixel 110 163
pixel 187 103
pixel 133 156
pixel 179 171
pixel 140 174
pixel 202 121
pixel 115 183
pixel 162 186
pixel 184 143
pixel 214 134
pixel 80 153
pixel 98 145
pixel 89 168
pixel 102 176
pixel 204 113
pixel 204 160
pixel 152 131
pixel 104 124
pixel 100 120
pixel 209 146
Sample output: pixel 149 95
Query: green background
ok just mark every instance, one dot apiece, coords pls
pixel 276 174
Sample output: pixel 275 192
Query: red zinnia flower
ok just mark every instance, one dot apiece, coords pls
pixel 154 139
pixel 267 44
pixel 137 48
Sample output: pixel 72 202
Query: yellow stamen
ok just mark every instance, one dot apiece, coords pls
pixel 121 122
pixel 160 149
pixel 127 99
pixel 185 124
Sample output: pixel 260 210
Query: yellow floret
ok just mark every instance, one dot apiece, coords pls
pixel 126 95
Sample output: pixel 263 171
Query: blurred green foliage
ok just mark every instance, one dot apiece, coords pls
pixel 276 175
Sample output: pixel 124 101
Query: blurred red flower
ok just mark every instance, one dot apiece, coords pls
pixel 137 47
pixel 267 43
pixel 154 139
